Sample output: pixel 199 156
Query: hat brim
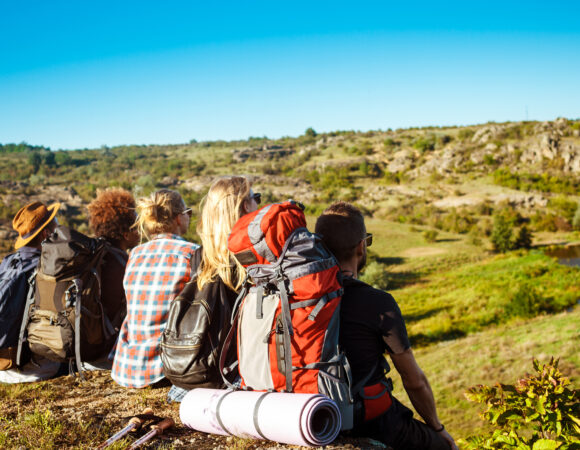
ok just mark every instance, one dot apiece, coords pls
pixel 53 211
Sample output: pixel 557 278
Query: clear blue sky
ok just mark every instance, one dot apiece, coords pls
pixel 85 74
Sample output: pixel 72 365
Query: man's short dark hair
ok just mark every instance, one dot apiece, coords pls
pixel 342 227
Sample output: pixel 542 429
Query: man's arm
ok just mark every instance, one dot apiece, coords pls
pixel 419 391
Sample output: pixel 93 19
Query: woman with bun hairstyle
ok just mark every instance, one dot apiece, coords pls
pixel 156 273
pixel 227 200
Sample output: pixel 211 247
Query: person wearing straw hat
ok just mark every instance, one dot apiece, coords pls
pixel 33 223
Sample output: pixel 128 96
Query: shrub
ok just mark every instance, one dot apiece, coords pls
pixel 489 160
pixel 425 143
pixel 444 139
pixel 376 275
pixel 526 302
pixel 501 236
pixel 310 132
pixel 564 206
pixel 524 238
pixel 540 411
pixel 465 133
pixel 576 219
pixel 430 235
pixel 390 143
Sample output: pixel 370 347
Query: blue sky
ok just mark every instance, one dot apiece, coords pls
pixel 86 74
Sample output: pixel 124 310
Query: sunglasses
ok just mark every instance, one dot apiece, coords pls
pixel 187 211
pixel 257 197
pixel 369 239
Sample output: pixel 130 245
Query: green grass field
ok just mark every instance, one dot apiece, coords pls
pixel 498 354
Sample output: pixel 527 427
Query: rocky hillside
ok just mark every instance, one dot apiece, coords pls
pixel 414 174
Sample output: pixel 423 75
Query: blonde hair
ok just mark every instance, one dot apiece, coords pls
pixel 220 210
pixel 156 213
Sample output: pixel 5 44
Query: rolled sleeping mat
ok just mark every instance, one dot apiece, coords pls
pixel 297 419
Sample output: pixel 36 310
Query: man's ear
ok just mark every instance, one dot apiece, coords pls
pixel 244 208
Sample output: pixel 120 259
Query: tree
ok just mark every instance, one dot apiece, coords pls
pixel 35 160
pixel 524 238
pixel 501 235
pixel 310 132
pixel 49 159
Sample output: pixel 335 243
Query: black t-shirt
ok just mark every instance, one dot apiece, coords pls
pixel 370 325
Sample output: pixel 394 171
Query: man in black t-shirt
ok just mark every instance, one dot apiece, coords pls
pixel 372 324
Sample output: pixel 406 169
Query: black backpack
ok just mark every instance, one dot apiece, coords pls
pixel 15 284
pixel 196 328
pixel 64 319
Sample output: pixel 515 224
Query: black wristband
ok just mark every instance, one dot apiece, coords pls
pixel 440 429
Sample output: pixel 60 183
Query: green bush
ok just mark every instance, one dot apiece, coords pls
pixel 430 235
pixel 310 132
pixel 526 302
pixel 390 143
pixel 465 133
pixel 539 412
pixel 376 275
pixel 532 182
pixel 489 160
pixel 502 236
pixel 425 143
pixel 524 238
pixel 564 206
pixel 576 219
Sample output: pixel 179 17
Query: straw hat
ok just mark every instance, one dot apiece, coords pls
pixel 31 219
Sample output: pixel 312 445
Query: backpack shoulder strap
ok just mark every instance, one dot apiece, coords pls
pixel 225 371
pixel 120 255
pixel 25 318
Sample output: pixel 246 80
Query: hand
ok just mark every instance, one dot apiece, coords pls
pixel 449 439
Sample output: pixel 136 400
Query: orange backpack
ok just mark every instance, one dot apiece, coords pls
pixel 288 320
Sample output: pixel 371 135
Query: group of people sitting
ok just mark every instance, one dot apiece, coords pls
pixel 138 295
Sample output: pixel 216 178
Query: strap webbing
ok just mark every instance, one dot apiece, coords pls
pixel 78 283
pixel 288 331
pixel 256 408
pixel 224 353
pixel 217 412
pixel 323 301
pixel 26 317
pixel 259 301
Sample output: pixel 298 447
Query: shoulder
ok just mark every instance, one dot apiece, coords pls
pixel 362 292
pixel 352 285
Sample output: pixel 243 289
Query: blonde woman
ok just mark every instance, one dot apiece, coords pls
pixel 227 200
pixel 156 273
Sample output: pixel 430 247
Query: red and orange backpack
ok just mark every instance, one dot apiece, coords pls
pixel 289 317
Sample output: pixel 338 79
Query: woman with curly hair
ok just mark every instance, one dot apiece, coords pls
pixel 228 199
pixel 111 217
pixel 156 273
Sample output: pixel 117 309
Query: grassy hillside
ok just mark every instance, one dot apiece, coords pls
pixel 432 198
pixel 496 354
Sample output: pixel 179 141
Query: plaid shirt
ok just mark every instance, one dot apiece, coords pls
pixel 156 273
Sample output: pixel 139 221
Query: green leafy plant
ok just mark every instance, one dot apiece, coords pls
pixel 539 412
pixel 430 235
pixel 376 275
pixel 502 236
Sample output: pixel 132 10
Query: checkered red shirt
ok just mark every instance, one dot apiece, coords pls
pixel 156 273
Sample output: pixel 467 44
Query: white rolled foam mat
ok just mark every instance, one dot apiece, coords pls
pixel 297 419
